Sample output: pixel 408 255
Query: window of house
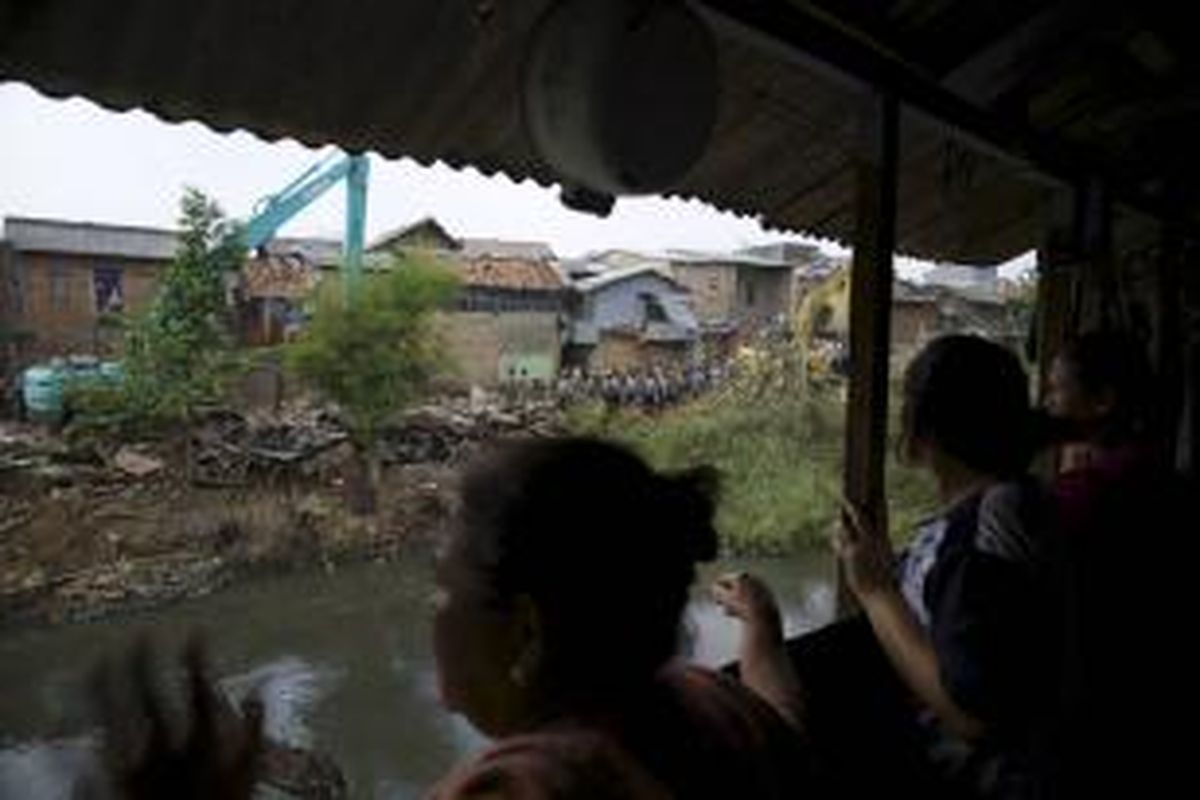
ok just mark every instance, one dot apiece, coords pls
pixel 653 309
pixel 108 290
pixel 749 293
pixel 60 289
pixel 15 288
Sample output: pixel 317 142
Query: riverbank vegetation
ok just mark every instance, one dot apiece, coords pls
pixel 780 455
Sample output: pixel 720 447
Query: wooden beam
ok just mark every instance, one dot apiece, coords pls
pixel 870 317
pixel 1050 34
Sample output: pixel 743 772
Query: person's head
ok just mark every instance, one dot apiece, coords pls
pixel 966 403
pixel 1101 383
pixel 565 579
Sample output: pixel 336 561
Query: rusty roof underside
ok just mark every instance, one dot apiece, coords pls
pixel 438 80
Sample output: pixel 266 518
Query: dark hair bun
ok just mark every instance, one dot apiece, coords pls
pixel 560 520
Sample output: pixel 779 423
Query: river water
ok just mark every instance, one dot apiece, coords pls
pixel 343 661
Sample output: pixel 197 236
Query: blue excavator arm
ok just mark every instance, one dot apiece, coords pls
pixel 280 207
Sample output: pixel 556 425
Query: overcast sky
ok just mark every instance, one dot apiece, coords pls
pixel 73 160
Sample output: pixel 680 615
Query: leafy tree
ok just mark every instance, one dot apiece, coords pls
pixel 178 355
pixel 375 352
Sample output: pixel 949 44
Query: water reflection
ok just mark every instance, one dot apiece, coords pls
pixel 343 662
pixel 290 689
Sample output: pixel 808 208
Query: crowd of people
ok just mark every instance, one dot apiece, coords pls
pixel 649 388
pixel 1004 653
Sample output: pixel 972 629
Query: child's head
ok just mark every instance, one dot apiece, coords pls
pixel 1102 383
pixel 566 577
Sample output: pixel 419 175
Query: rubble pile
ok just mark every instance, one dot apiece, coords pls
pixel 88 528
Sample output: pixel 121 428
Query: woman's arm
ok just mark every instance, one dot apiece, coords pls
pixel 910 649
pixel 868 560
pixel 763 660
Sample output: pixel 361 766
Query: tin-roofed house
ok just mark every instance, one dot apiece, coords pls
pixel 742 291
pixel 630 318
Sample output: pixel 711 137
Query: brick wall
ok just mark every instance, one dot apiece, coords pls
pixel 624 352
pixel 57 297
pixel 713 289
pixel 763 294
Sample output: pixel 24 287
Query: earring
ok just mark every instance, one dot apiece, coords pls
pixel 518 676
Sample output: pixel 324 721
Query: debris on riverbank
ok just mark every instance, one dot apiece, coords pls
pixel 90 528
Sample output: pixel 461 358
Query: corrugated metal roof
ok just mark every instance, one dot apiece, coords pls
pixel 319 252
pixel 740 259
pixel 467 247
pixel 89 238
pixel 503 248
pixel 509 273
pixel 795 253
pixel 30 234
pixel 438 80
pixel 396 236
pixel 620 274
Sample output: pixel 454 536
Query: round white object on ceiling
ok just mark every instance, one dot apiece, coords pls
pixel 620 96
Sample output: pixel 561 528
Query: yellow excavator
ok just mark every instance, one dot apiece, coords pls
pixel 821 324
pixel 814 349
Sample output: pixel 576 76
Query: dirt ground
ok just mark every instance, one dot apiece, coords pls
pixel 88 532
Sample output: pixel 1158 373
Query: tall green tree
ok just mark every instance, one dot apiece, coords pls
pixel 374 351
pixel 178 355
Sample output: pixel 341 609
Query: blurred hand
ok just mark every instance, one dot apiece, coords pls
pixel 150 752
pixel 747 598
pixel 866 555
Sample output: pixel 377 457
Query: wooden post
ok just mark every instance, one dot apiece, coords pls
pixel 1077 279
pixel 1188 453
pixel 1170 339
pixel 1057 270
pixel 1102 304
pixel 870 318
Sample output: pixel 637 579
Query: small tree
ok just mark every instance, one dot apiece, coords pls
pixel 375 353
pixel 178 354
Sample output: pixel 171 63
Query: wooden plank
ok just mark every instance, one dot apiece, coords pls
pixel 870 318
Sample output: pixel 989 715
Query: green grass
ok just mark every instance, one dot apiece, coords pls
pixel 780 459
